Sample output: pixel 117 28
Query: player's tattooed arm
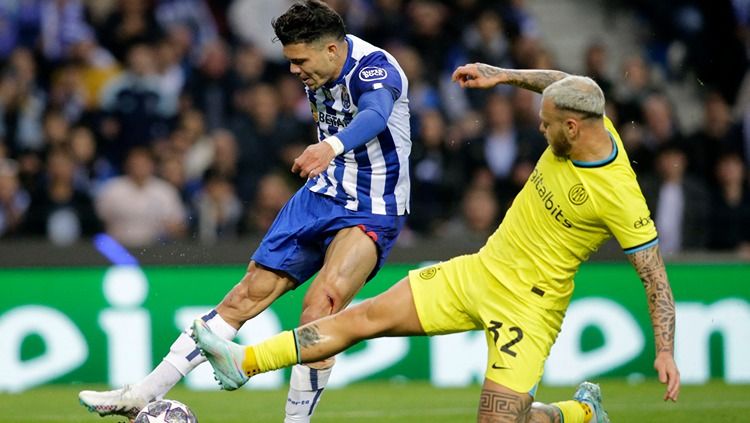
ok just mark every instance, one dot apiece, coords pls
pixel 650 267
pixel 530 79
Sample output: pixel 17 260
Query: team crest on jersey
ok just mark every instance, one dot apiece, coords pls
pixel 578 195
pixel 346 101
pixel 372 73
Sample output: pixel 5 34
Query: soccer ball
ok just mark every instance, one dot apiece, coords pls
pixel 166 411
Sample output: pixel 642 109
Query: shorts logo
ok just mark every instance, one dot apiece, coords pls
pixel 578 195
pixel 642 222
pixel 371 73
pixel 428 273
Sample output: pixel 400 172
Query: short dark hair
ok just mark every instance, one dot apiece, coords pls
pixel 308 21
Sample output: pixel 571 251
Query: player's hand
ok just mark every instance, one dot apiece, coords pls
pixel 668 374
pixel 477 75
pixel 314 160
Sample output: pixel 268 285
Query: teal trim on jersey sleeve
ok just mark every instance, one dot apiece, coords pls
pixel 600 163
pixel 641 247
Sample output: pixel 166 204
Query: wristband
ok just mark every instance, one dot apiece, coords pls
pixel 335 143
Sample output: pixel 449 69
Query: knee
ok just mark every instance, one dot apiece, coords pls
pixel 317 306
pixel 329 297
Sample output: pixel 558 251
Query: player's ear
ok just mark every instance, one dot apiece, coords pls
pixel 571 127
pixel 332 50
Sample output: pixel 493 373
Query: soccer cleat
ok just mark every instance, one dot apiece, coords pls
pixel 118 402
pixel 225 356
pixel 591 394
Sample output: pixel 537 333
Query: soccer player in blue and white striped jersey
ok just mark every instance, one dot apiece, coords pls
pixel 341 224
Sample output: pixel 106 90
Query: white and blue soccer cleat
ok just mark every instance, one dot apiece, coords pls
pixel 119 402
pixel 591 394
pixel 225 356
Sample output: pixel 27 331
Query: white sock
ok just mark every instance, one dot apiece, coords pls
pixel 305 390
pixel 159 381
pixel 183 357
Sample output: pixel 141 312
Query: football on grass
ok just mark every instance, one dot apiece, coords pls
pixel 166 411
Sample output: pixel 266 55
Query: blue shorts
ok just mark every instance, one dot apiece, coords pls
pixel 297 241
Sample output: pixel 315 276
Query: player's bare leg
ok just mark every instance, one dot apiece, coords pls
pixel 254 293
pixel 349 260
pixel 391 313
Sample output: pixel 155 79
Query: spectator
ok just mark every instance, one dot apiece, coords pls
pixel 22 104
pixel 729 225
pixel 14 201
pixel 61 212
pixel 218 209
pixel 135 106
pixel 595 66
pixel 55 129
pixel 426 34
pixel 273 192
pixel 485 40
pixel 191 14
pixel 199 150
pixel 19 25
pixel 679 203
pixel 499 146
pixel 91 169
pixel 436 177
pixel 718 133
pixel 632 89
pixel 139 209
pixel 478 217
pixel 249 20
pixel 209 88
pixel 60 23
pixel 423 96
pixel 95 67
pixel 263 133
pixel 170 67
pixel 171 169
pixel 132 23
pixel 386 23
pixel 225 154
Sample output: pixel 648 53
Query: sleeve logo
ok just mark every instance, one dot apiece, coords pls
pixel 372 73
pixel 428 273
pixel 642 222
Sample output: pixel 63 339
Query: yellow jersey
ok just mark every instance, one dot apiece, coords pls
pixel 566 211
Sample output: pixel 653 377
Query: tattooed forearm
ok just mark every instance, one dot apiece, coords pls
pixel 534 80
pixel 650 267
pixel 308 336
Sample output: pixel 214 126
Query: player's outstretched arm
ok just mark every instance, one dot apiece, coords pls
pixel 650 267
pixel 480 75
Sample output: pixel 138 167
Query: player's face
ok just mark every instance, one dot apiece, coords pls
pixel 552 126
pixel 313 63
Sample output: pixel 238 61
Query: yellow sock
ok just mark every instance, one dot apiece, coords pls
pixel 574 411
pixel 274 353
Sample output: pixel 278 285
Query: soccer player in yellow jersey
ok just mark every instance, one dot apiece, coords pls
pixel 517 287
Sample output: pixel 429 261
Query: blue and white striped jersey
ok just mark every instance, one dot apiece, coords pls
pixel 373 177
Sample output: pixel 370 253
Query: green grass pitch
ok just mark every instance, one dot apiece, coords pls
pixel 395 402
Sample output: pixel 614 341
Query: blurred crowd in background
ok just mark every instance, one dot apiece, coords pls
pixel 163 120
